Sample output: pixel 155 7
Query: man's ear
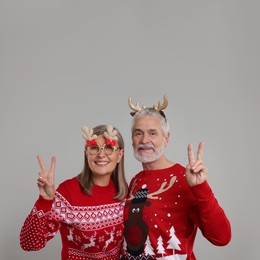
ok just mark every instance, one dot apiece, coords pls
pixel 167 139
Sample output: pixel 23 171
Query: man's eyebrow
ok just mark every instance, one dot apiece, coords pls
pixel 152 130
pixel 138 130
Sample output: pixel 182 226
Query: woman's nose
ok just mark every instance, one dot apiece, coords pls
pixel 101 152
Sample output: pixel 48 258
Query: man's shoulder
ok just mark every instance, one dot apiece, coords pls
pixel 176 169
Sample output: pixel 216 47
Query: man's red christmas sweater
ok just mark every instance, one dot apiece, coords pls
pixel 163 213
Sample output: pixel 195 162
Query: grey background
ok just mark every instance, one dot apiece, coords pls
pixel 69 63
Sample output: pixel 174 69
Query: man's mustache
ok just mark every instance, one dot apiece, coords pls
pixel 145 146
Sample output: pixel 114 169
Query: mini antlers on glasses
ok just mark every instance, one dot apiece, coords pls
pixel 110 135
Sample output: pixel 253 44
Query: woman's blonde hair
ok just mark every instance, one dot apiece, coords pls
pixel 118 175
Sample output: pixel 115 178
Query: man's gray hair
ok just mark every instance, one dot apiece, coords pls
pixel 149 111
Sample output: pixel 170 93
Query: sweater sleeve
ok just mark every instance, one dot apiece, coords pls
pixel 39 227
pixel 209 216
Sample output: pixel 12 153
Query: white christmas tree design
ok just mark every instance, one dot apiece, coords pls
pixel 160 248
pixel 148 248
pixel 173 242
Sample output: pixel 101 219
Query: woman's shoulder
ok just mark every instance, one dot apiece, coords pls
pixel 69 189
pixel 69 183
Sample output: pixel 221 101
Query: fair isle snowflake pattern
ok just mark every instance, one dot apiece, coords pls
pixel 75 254
pixel 93 232
pixel 173 257
pixel 87 218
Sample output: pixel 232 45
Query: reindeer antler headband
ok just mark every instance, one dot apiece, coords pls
pixel 110 135
pixel 159 107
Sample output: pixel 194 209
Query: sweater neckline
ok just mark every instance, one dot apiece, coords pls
pixel 103 189
pixel 164 170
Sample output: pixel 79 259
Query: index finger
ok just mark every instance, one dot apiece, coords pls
pixel 53 163
pixel 190 154
pixel 200 150
pixel 41 163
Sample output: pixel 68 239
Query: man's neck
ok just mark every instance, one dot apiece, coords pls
pixel 159 164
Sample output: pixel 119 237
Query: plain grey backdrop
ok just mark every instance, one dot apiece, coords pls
pixel 68 63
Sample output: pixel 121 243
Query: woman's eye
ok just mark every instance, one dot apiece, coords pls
pixel 94 148
pixel 109 148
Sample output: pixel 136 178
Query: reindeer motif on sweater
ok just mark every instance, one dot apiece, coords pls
pixel 136 228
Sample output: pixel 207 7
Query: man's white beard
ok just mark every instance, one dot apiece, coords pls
pixel 143 158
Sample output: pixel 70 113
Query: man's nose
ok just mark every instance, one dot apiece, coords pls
pixel 145 138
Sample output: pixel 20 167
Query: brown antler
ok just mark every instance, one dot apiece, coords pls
pixel 162 188
pixel 131 196
pixel 136 107
pixel 110 133
pixel 88 133
pixel 162 106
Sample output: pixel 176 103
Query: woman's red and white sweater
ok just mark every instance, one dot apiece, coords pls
pixel 91 227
